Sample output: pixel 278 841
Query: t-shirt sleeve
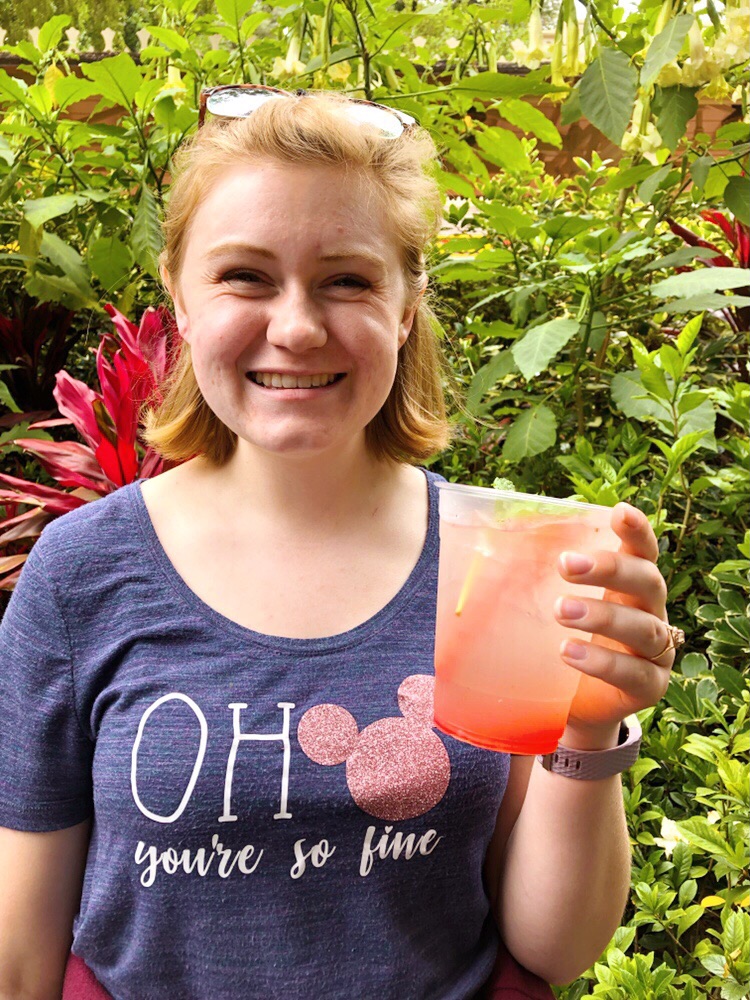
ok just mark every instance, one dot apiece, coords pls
pixel 45 755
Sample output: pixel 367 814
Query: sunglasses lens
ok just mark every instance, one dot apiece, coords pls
pixel 236 102
pixel 386 121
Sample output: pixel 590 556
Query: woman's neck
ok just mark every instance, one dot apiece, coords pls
pixel 331 490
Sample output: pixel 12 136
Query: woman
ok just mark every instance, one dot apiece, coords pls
pixel 217 743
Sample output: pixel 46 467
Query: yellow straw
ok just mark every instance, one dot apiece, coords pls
pixel 481 552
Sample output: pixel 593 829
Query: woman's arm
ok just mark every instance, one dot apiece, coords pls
pixel 41 875
pixel 560 856
pixel 563 873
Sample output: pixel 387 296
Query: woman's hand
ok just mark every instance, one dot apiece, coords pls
pixel 627 664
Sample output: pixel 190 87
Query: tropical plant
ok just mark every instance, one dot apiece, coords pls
pixel 130 370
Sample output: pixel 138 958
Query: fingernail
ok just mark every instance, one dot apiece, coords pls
pixel 576 564
pixel 574 651
pixel 568 608
pixel 629 515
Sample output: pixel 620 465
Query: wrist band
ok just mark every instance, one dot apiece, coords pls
pixel 591 765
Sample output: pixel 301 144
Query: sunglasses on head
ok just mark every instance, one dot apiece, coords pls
pixel 240 100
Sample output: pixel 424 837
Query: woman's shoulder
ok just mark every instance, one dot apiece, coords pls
pixel 98 532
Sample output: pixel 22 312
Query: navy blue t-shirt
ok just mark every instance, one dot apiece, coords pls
pixel 272 817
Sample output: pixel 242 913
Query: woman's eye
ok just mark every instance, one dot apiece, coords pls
pixel 351 281
pixel 249 276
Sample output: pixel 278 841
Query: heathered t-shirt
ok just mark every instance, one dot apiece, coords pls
pixel 272 817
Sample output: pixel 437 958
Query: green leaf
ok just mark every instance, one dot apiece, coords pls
pixel 110 261
pixel 693 664
pixel 11 89
pixel 51 288
pixel 232 12
pixel 68 260
pixel 699 170
pixel 642 767
pixel 650 186
pixel 525 116
pixel 493 85
pixel 40 210
pixel 519 11
pixel 69 89
pixel 733 936
pixel 540 344
pixel 506 220
pixel 709 302
pixel 677 106
pixel 687 444
pixel 607 91
pixel 504 149
pixel 565 226
pixel 170 38
pixel 117 77
pixel 570 111
pixel 533 432
pixel 699 418
pixel 730 679
pixel 629 395
pixel 51 32
pixel 655 383
pixel 688 334
pixel 682 859
pixel 705 279
pixel 698 832
pixel 715 964
pixel 665 47
pixel 737 198
pixel 485 378
pixel 145 236
pixel 7 400
pixel 6 153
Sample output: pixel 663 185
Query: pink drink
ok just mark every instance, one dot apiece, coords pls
pixel 499 680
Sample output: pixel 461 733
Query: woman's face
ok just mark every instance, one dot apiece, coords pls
pixel 294 304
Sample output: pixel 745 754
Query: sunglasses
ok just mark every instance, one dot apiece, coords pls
pixel 240 100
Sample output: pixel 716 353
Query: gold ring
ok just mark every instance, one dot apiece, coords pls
pixel 676 638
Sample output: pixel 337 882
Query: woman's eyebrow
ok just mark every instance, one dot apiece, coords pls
pixel 344 253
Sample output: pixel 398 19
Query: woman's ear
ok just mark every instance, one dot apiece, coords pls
pixel 407 321
pixel 180 314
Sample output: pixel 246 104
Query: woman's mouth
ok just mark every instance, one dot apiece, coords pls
pixel 283 380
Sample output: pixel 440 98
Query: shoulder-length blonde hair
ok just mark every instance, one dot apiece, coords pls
pixel 412 423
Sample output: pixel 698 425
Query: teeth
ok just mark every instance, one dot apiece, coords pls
pixel 278 381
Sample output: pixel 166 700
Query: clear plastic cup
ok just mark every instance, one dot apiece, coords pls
pixel 500 682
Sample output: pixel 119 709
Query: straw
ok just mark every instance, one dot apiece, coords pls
pixel 481 552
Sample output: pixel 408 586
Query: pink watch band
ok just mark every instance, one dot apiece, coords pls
pixel 591 765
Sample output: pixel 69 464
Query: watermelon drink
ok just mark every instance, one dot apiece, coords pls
pixel 500 682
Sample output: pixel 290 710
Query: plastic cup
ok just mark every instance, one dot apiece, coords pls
pixel 500 682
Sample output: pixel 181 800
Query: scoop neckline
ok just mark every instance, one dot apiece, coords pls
pixel 323 644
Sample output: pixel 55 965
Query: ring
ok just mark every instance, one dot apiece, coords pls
pixel 676 639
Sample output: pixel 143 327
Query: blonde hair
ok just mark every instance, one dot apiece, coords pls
pixel 412 423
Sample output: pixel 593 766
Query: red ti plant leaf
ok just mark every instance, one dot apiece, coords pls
pixel 75 400
pixel 146 349
pixel 130 368
pixel 692 239
pixel 69 462
pixel 52 500
pixel 737 234
pixel 720 220
pixel 119 422
pixel 743 243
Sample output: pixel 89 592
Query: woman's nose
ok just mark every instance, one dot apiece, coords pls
pixel 296 322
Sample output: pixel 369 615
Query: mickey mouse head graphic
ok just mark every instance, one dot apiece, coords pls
pixel 396 768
